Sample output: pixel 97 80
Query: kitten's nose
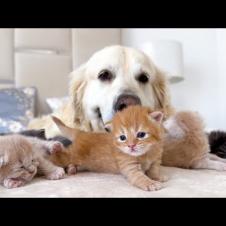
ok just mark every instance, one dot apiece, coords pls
pixel 132 146
pixel 31 169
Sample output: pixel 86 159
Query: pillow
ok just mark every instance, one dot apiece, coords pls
pixel 17 108
pixel 56 102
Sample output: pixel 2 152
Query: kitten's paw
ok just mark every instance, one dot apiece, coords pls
pixel 219 166
pixel 162 178
pixel 150 185
pixel 13 183
pixel 223 167
pixel 154 186
pixel 71 169
pixel 57 174
pixel 56 147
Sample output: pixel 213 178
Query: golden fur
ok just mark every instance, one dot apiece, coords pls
pixel 76 112
pixel 103 152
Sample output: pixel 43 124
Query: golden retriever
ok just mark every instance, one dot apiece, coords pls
pixel 112 79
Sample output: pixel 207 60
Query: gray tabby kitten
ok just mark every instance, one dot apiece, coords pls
pixel 22 157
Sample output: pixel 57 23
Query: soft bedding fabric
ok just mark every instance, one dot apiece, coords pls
pixel 182 183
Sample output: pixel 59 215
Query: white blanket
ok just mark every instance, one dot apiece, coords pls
pixel 182 183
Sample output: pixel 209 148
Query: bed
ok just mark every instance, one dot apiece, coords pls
pixel 35 70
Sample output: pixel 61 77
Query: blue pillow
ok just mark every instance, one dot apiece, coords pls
pixel 17 108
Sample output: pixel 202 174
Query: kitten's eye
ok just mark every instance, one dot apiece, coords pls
pixel 105 75
pixel 122 138
pixel 141 135
pixel 142 78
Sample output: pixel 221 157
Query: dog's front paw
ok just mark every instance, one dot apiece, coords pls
pixel 57 174
pixel 13 183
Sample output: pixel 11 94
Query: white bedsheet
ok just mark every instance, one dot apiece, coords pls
pixel 182 183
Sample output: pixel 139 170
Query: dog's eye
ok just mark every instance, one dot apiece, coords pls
pixel 105 75
pixel 142 78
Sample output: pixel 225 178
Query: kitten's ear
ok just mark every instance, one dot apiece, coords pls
pixel 67 131
pixel 3 160
pixel 157 116
pixel 108 126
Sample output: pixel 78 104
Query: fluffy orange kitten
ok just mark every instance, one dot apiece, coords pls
pixel 186 144
pixel 21 158
pixel 132 148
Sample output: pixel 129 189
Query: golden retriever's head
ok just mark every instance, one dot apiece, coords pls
pixel 112 79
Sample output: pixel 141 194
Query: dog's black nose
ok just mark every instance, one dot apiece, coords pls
pixel 125 100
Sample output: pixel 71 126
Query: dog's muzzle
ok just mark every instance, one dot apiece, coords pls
pixel 125 100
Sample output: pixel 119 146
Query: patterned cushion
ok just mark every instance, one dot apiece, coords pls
pixel 17 108
pixel 56 102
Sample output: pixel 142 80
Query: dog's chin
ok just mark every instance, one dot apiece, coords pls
pixel 106 117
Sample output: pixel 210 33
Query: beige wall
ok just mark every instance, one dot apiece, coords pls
pixel 204 54
pixel 44 57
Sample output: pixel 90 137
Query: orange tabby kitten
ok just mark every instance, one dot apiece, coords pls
pixel 186 144
pixel 133 148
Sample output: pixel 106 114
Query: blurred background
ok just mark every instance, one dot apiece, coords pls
pixel 35 64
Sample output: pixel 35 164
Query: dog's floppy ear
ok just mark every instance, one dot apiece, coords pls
pixel 76 92
pixel 67 131
pixel 162 94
